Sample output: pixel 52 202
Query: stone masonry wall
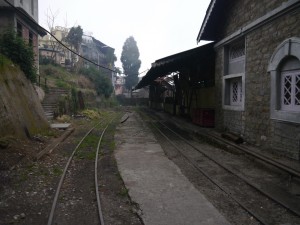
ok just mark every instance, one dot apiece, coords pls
pixel 280 136
pixel 254 122
pixel 241 12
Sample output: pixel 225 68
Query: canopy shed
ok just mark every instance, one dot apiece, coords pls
pixel 183 84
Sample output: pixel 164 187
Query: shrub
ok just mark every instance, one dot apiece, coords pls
pixel 101 81
pixel 19 52
pixel 91 114
pixel 46 61
pixel 74 101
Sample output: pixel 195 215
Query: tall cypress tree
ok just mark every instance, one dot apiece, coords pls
pixel 130 62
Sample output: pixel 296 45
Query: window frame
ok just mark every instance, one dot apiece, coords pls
pixel 236 91
pixel 286 51
pixel 229 78
pixel 292 106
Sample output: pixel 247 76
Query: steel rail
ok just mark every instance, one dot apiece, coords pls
pixel 100 214
pixel 294 209
pixel 291 171
pixel 50 219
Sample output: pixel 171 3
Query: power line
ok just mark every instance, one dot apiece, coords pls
pixel 42 28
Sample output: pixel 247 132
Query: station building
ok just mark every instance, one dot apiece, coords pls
pixel 247 81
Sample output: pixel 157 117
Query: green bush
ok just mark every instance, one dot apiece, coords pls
pixel 74 100
pixel 19 52
pixel 101 81
pixel 46 61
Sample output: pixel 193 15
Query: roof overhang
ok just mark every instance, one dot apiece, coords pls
pixel 174 63
pixel 211 23
pixel 40 30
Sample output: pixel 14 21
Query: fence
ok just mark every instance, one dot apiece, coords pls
pixel 42 81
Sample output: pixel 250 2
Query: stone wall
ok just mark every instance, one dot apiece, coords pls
pixel 254 122
pixel 241 12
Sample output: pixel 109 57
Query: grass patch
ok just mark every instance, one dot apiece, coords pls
pixel 123 192
pixel 87 149
pixel 90 141
pixel 23 177
pixel 91 114
pixel 31 168
pixel 62 84
pixel 57 171
pixel 86 155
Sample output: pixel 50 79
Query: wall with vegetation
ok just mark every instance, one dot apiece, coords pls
pixel 21 113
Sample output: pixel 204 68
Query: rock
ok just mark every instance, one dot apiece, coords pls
pixel 22 215
pixel 3 143
pixel 16 217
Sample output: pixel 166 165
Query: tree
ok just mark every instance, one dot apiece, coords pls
pixel 102 83
pixel 51 25
pixel 130 62
pixel 74 37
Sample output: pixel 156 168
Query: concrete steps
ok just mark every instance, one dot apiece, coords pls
pixel 51 100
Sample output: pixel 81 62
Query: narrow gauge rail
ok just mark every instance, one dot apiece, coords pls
pixel 62 179
pixel 208 168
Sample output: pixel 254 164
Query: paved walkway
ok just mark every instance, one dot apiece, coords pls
pixel 164 194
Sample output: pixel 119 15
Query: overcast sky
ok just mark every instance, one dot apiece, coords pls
pixel 160 27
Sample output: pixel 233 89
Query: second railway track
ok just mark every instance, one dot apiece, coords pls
pixel 262 199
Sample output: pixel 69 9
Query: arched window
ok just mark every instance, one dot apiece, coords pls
pixel 284 68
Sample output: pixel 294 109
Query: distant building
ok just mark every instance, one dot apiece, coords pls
pixel 99 53
pixel 119 85
pixel 23 17
pixel 141 93
pixel 96 51
pixel 51 49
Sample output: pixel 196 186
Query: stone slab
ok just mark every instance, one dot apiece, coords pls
pixel 62 126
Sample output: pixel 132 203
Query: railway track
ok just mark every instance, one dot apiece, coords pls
pixel 97 130
pixel 259 192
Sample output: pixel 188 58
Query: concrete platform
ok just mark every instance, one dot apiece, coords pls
pixel 163 193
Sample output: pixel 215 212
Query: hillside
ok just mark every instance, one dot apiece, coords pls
pixel 94 85
pixel 21 113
